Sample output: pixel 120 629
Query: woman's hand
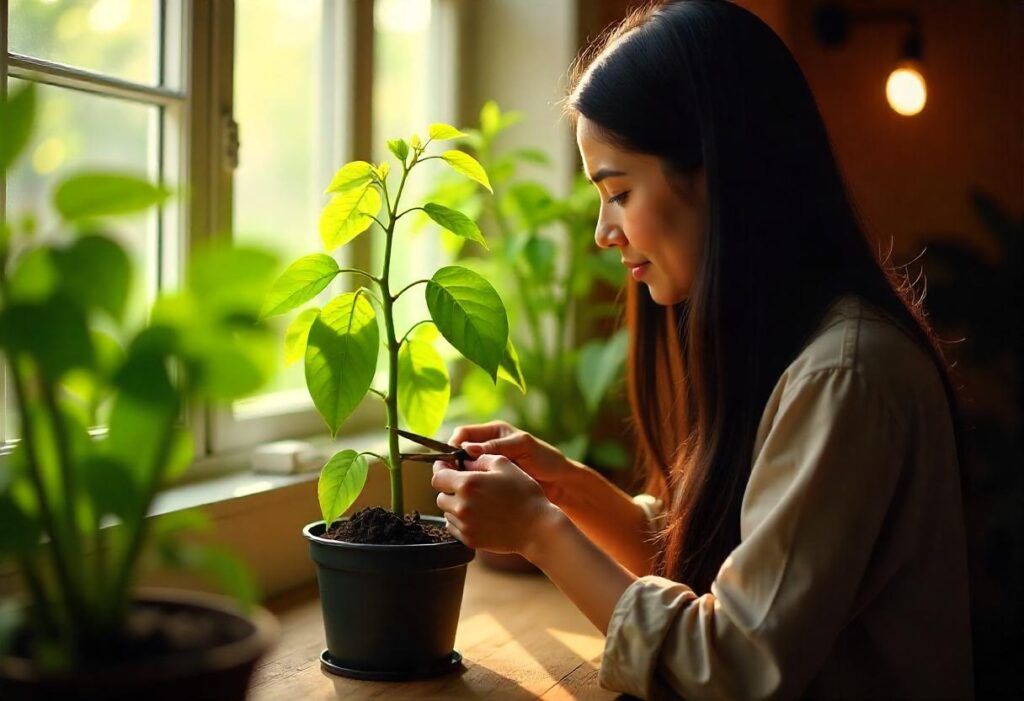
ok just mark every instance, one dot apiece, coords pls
pixel 494 505
pixel 541 461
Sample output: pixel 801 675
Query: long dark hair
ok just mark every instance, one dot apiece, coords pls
pixel 705 83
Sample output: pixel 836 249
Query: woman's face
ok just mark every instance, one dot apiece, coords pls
pixel 656 221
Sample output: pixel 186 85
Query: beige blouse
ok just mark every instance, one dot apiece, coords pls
pixel 850 580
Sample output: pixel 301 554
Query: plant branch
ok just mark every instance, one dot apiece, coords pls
pixel 374 390
pixel 421 321
pixel 408 211
pixel 407 287
pixel 357 271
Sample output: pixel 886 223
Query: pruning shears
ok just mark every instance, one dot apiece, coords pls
pixel 446 452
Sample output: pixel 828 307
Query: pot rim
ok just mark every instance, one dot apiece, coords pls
pixel 265 633
pixel 373 547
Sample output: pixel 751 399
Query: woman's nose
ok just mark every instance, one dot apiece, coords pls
pixel 608 234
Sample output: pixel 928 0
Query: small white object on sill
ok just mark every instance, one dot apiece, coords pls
pixel 287 457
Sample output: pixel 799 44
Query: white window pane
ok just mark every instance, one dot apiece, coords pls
pixel 283 168
pixel 77 131
pixel 403 104
pixel 119 38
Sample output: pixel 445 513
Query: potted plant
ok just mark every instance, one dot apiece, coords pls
pixel 74 499
pixel 563 330
pixel 390 583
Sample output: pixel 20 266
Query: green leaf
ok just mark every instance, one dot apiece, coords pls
pixel 540 255
pixel 17 113
pixel 351 176
pixel 482 397
pixel 341 482
pixel 96 272
pixel 427 333
pixel 470 315
pixel 399 148
pixel 35 276
pixel 443 132
pixel 532 155
pixel 297 335
pixel 20 533
pixel 423 387
pixel 468 166
pixel 341 357
pixel 92 195
pixel 599 366
pixel 490 119
pixel 510 370
pixel 611 455
pixel 302 281
pixel 455 221
pixel 53 332
pixel 348 215
pixel 574 448
pixel 175 523
pixel 180 455
pixel 228 280
pixel 228 571
pixel 110 486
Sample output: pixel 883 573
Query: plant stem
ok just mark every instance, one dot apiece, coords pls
pixel 391 401
pixel 126 568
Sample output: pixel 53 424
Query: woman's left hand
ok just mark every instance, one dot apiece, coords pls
pixel 492 504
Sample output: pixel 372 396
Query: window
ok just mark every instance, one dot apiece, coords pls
pixel 110 95
pixel 297 101
pixel 161 86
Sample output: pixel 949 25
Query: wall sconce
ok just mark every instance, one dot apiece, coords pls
pixel 905 89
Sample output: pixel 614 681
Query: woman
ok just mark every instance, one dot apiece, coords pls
pixel 802 535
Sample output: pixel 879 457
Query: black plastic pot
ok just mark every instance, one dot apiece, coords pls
pixel 390 611
pixel 219 673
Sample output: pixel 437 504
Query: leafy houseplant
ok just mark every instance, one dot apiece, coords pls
pixel 390 606
pixel 74 500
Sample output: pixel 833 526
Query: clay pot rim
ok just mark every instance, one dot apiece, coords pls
pixel 307 531
pixel 264 633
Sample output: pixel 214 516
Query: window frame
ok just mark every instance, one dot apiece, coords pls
pixel 206 143
pixel 174 118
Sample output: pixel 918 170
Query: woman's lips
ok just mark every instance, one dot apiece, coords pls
pixel 637 271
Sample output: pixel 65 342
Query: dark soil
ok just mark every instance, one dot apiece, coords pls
pixel 379 526
pixel 153 630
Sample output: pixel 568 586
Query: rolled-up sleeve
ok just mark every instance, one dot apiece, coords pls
pixel 821 485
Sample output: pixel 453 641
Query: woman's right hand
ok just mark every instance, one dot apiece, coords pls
pixel 541 460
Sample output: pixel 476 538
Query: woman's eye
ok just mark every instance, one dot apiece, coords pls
pixel 619 198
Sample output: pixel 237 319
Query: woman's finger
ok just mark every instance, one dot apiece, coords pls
pixel 446 479
pixel 449 504
pixel 456 531
pixel 477 432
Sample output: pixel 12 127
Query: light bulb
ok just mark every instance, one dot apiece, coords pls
pixel 906 90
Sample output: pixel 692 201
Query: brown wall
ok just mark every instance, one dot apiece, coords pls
pixel 911 175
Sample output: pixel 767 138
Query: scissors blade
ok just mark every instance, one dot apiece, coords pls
pixel 430 457
pixel 428 442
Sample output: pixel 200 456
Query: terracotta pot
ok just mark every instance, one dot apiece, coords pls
pixel 390 611
pixel 218 673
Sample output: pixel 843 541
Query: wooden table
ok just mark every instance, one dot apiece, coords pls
pixel 519 636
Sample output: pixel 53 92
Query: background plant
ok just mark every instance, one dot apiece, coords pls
pixel 74 497
pixel 544 262
pixel 339 342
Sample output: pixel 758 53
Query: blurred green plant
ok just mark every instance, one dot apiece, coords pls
pixel 74 497
pixel 544 262
pixel 339 342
